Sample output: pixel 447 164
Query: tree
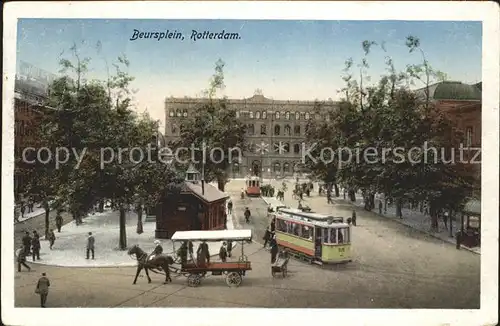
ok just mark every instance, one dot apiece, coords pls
pixel 215 127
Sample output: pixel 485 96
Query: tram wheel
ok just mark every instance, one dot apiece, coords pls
pixel 233 279
pixel 194 280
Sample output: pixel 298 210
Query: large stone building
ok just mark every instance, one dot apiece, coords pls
pixel 270 123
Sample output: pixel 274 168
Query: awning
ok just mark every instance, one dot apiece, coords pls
pixel 473 206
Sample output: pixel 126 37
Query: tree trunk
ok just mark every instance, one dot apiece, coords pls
pixel 399 208
pixel 352 195
pixel 385 205
pixel 337 192
pixel 47 222
pixel 139 220
pixel 101 205
pixel 452 214
pixel 123 232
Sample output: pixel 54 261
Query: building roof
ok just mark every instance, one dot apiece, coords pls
pixel 453 90
pixel 211 194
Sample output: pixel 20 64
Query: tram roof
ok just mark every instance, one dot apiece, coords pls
pixel 219 235
pixel 321 219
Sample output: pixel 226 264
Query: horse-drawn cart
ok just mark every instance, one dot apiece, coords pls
pixel 195 269
pixel 280 266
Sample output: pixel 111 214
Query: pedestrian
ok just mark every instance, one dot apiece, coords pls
pixel 23 209
pixel 274 249
pixel 59 221
pixel 51 238
pixel 229 247
pixel 267 236
pixel 230 207
pixel 247 215
pixel 203 253
pixel 90 245
pixel 27 243
pixel 445 220
pixel 273 225
pixel 42 288
pixel 182 253
pixel 353 218
pixel 225 221
pixel 223 252
pixel 31 205
pixel 380 207
pixel 35 246
pixel 21 260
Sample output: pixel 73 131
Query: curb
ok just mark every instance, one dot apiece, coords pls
pixel 411 227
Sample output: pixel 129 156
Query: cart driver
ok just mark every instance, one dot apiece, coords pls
pixel 158 250
pixel 183 252
pixel 203 253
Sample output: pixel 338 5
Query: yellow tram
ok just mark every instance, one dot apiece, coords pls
pixel 316 238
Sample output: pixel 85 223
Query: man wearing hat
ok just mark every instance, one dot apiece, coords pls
pixel 42 288
pixel 223 252
pixel 158 250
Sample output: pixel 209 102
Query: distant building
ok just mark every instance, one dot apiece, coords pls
pixel 270 122
pixel 462 104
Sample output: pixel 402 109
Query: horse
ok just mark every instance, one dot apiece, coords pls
pixel 158 262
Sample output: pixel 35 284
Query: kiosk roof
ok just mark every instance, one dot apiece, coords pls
pixel 220 235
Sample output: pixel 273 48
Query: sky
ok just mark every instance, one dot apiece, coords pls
pixel 287 60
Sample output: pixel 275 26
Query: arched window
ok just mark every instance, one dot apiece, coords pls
pixel 263 130
pixel 185 113
pixel 277 168
pixel 296 130
pixel 297 115
pixel 238 114
pixel 286 147
pixel 178 113
pixel 251 129
pixel 327 118
pixel 171 113
pixel 287 115
pixel 288 130
pixel 277 115
pixel 307 116
pixel 174 128
pixel 296 148
pixel 251 115
pixel 264 115
pixel 286 168
pixel 257 115
pixel 277 130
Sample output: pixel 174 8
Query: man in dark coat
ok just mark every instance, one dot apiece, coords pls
pixel 203 253
pixel 267 237
pixel 27 243
pixel 273 225
pixel 35 245
pixel 274 249
pixel 247 214
pixel 230 207
pixel 353 218
pixel 23 209
pixel 223 252
pixel 183 252
pixel 59 221
pixel 42 288
pixel 190 248
pixel 229 247
pixel 21 260
pixel 52 238
pixel 90 245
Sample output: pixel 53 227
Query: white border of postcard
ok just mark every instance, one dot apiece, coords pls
pixel 487 12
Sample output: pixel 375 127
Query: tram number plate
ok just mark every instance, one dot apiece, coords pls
pixel 341 249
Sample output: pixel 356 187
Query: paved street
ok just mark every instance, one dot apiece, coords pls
pixel 394 267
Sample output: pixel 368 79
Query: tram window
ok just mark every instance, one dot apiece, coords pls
pixel 344 233
pixel 333 235
pixel 281 226
pixel 306 232
pixel 340 236
pixel 296 229
pixel 325 235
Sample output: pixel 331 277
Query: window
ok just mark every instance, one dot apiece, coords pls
pixel 174 128
pixel 307 232
pixel 286 168
pixel 288 130
pixel 251 129
pixel 296 130
pixel 277 130
pixel 178 113
pixel 263 130
pixel 317 116
pixel 251 115
pixel 171 113
pixel 264 115
pixel 277 115
pixel 333 235
pixel 297 115
pixel 327 118
pixel 257 115
pixel 277 167
pixel 238 114
pixel 185 113
pixel 344 235
pixel 325 235
pixel 281 225
pixel 295 229
pixel 307 116
pixel 296 148
pixel 287 115
pixel 286 147
pixel 468 137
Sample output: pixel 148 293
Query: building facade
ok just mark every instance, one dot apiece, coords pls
pixel 276 131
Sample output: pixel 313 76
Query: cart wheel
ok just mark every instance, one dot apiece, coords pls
pixel 233 279
pixel 194 280
pixel 285 271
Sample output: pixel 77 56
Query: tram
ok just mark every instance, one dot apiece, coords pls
pixel 316 238
pixel 252 186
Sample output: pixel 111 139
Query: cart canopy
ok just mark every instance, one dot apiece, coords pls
pixel 220 235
